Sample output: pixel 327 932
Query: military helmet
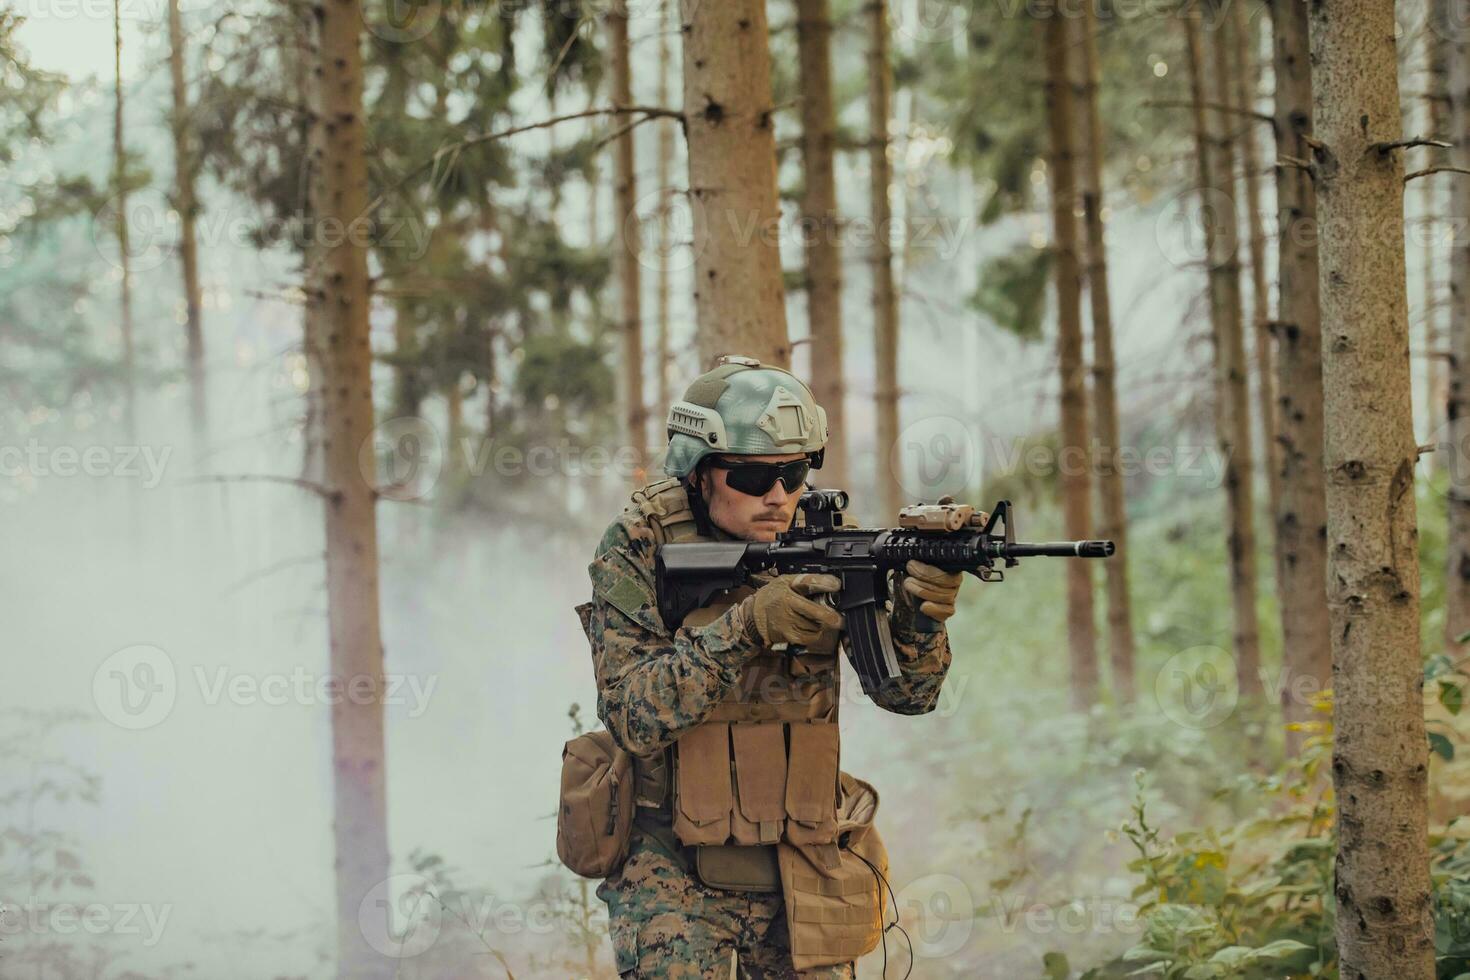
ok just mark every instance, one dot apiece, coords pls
pixel 744 407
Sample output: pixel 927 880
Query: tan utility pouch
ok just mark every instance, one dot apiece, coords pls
pixel 737 868
pixel 594 823
pixel 702 792
pixel 811 784
pixel 834 900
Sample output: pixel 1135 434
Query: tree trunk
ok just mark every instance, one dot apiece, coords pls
pixel 125 260
pixel 1114 519
pixel 360 826
pixel 1214 160
pixel 625 191
pixel 1438 32
pixel 887 457
pixel 1301 512
pixel 822 228
pixel 1244 95
pixel 1380 755
pixel 1072 466
pixel 670 24
pixel 186 204
pixel 1456 446
pixel 313 463
pixel 739 296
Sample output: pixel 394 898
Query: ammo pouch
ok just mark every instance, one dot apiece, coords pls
pixel 735 783
pixel 594 821
pixel 834 900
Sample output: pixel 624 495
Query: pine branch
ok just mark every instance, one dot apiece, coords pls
pixel 1435 170
pixel 1263 117
pixel 1411 141
pixel 293 481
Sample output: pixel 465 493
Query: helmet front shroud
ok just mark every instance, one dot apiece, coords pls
pixel 743 407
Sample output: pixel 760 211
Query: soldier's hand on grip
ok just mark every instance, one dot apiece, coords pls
pixel 781 611
pixel 932 589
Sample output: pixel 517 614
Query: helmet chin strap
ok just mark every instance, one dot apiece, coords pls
pixel 702 522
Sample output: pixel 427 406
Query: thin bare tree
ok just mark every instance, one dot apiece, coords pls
pixel 360 824
pixel 821 227
pixel 124 246
pixel 627 241
pixel 1301 510
pixel 186 205
pixel 1243 72
pixel 885 292
pixel 1214 161
pixel 1113 517
pixel 1076 484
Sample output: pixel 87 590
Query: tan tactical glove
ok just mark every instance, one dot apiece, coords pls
pixel 780 611
pixel 933 589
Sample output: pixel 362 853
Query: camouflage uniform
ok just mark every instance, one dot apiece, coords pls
pixel 652 688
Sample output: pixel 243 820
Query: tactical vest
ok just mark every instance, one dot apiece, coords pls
pixel 763 766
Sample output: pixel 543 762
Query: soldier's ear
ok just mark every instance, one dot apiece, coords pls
pixel 703 481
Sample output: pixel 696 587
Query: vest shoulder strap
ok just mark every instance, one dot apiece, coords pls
pixel 664 505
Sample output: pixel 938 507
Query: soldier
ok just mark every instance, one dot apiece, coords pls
pixel 750 855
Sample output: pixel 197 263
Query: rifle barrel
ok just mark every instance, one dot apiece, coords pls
pixel 1061 549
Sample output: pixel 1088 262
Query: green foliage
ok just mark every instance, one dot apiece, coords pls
pixel 27 94
pixel 1013 290
pixel 1253 900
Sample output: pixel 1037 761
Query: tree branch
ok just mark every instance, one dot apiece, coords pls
pixel 1263 117
pixel 1434 170
pixel 293 481
pixel 464 144
pixel 1411 141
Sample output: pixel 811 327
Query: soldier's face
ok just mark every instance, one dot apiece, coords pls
pixel 747 517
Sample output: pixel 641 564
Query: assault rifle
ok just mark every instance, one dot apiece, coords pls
pixel 951 536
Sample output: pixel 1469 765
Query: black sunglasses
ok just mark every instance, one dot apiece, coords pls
pixel 756 479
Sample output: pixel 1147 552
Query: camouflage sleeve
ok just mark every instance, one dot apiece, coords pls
pixel 652 685
pixel 923 657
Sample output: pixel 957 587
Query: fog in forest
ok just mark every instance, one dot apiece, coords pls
pixel 167 723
